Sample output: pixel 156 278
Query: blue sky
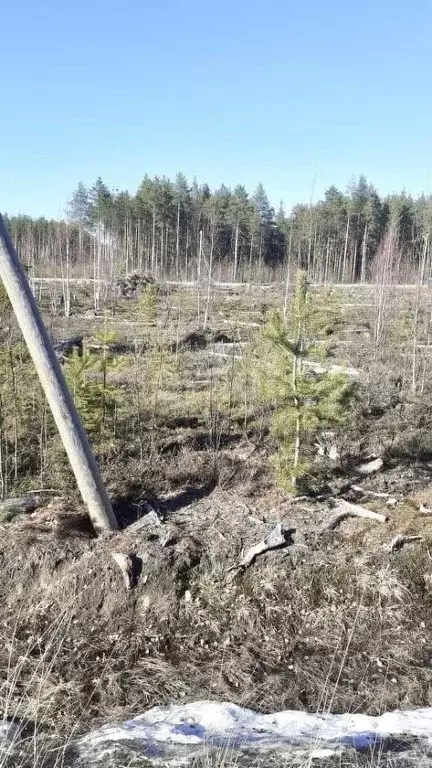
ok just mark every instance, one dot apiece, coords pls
pixel 232 91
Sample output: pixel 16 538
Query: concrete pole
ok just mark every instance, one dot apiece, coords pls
pixel 51 376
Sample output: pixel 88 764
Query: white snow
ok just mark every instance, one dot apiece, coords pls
pixel 210 723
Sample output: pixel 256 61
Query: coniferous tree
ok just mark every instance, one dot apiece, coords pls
pixel 303 402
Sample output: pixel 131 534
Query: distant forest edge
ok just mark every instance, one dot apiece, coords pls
pixel 177 230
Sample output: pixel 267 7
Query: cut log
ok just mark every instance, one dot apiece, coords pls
pixel 9 508
pixel 279 538
pixel 346 509
pixel 399 541
pixel 370 467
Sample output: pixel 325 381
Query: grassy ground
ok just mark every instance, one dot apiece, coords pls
pixel 333 623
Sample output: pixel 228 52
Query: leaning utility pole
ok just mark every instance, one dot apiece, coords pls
pixel 54 385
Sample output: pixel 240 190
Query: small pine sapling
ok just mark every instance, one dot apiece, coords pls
pixel 86 390
pixel 304 403
pixel 148 304
pixel 87 376
pixel 107 363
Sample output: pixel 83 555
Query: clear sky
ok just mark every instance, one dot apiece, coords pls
pixel 230 91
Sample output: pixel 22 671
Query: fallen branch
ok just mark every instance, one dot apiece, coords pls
pixel 278 539
pixel 72 280
pixel 390 500
pixel 399 541
pixel 45 490
pixel 346 509
pixel 225 354
pixel 250 324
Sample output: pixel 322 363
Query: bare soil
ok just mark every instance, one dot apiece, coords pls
pixel 327 622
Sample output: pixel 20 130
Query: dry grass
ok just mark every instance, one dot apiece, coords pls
pixel 325 628
pixel 335 624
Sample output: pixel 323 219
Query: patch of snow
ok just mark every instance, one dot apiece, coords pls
pixel 188 727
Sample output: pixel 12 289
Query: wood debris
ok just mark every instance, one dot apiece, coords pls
pixel 399 541
pixel 151 518
pixel 278 538
pixel 169 536
pixel 346 509
pixel 125 563
pixel 370 466
pixel 390 500
pixel 425 510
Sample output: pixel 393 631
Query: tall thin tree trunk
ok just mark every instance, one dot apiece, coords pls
pixel 187 254
pixel 297 435
pixel 288 276
pixel 127 245
pixel 364 252
pixel 345 250
pixel 236 240
pixel 210 270
pixel 326 267
pixel 153 247
pixel 178 242
pixel 200 251
pixel 417 312
pixel 250 253
pixel 66 278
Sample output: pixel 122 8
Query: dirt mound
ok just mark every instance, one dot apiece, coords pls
pixel 327 622
pixel 199 339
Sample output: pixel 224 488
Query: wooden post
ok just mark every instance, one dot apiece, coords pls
pixel 54 385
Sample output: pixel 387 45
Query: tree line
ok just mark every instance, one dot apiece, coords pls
pixel 180 230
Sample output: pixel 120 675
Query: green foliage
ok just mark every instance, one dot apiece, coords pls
pixel 303 402
pixel 148 303
pixel 86 391
pixel 161 366
pixel 22 410
pixel 5 305
pixel 87 376
pixel 337 238
pixel 105 337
